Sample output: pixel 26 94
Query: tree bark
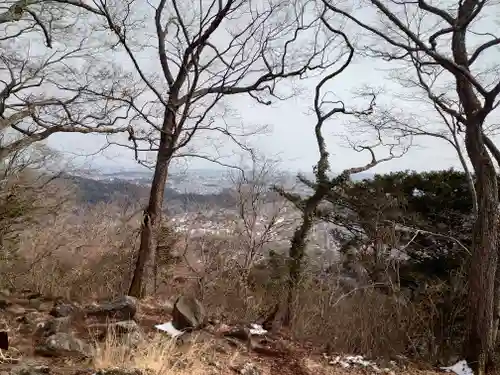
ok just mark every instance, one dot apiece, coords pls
pixel 297 250
pixel 479 346
pixel 152 216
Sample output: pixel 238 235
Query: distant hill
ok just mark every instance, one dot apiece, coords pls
pixel 92 191
pixel 183 193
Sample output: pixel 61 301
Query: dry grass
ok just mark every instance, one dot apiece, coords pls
pixel 88 253
pixel 158 355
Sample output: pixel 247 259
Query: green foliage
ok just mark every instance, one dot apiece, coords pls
pixel 429 215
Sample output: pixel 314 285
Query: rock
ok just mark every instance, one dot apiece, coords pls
pixel 62 345
pixel 240 333
pixel 15 310
pixel 188 313
pixel 249 369
pixel 4 302
pixel 34 303
pixel 31 370
pixel 29 322
pixel 194 337
pixel 61 309
pixel 53 326
pixel 123 308
pixel 120 371
pixel 126 326
pixel 167 306
pixel 32 295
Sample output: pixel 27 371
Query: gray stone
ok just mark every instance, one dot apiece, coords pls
pixel 125 326
pixel 63 345
pixel 15 310
pixel 53 326
pixel 188 313
pixel 30 370
pixel 61 309
pixel 123 308
pixel 249 369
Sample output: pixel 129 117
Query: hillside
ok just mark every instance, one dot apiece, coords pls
pixel 92 191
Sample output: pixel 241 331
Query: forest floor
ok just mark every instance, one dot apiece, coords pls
pixel 47 336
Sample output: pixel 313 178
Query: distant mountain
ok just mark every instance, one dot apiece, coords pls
pixel 93 191
pixel 184 191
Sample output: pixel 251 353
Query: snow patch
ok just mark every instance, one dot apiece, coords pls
pixel 349 361
pixel 257 330
pixel 169 329
pixel 459 368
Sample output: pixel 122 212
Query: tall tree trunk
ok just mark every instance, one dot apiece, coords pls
pixel 298 248
pixel 483 263
pixel 495 152
pixel 496 312
pixel 152 216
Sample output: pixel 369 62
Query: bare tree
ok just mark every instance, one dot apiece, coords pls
pixel 260 212
pixel 445 128
pixel 48 54
pixel 28 193
pixel 205 51
pixel 325 110
pixel 446 53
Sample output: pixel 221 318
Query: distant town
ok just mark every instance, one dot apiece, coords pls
pixel 218 213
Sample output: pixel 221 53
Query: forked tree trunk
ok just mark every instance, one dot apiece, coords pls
pixel 479 345
pixel 151 218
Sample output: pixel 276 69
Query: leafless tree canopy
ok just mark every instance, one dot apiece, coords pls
pixel 417 39
pixel 204 51
pixel 48 55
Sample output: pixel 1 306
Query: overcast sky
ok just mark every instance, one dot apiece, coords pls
pixel 290 136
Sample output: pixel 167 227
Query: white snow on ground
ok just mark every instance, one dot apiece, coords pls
pixel 257 330
pixel 459 368
pixel 169 329
pixel 358 361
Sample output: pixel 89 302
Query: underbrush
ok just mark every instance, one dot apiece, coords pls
pixel 89 254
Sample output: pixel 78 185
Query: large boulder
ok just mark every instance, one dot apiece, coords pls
pixel 63 345
pixel 188 314
pixel 122 308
